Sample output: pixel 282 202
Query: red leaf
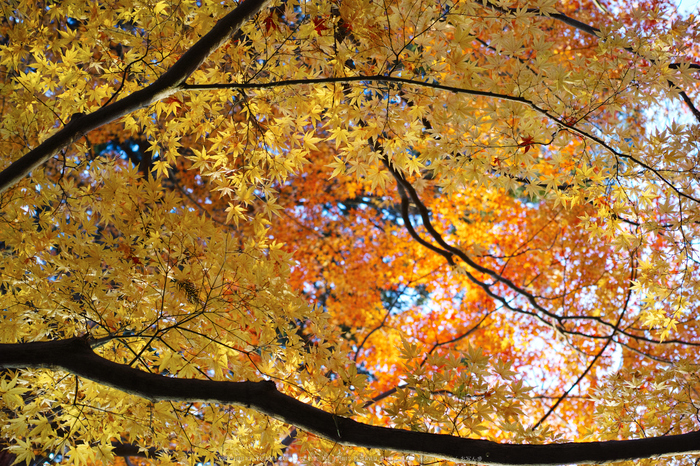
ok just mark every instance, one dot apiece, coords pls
pixel 527 143
pixel 172 99
pixel 319 25
pixel 270 23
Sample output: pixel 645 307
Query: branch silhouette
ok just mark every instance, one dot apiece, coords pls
pixel 75 356
pixel 166 85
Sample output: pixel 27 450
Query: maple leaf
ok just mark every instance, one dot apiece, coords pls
pixel 128 253
pixel 173 100
pixel 270 24
pixel 339 220
pixel 320 25
pixel 527 143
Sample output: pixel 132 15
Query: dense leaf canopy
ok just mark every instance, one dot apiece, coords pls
pixel 349 231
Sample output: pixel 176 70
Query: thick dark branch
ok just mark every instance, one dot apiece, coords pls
pixel 75 356
pixel 167 84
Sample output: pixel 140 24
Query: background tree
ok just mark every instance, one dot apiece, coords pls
pixel 349 231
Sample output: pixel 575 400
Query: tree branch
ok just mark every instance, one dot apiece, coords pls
pixel 76 357
pixel 457 90
pixel 167 84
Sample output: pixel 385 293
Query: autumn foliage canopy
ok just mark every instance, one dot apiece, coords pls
pixel 349 232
